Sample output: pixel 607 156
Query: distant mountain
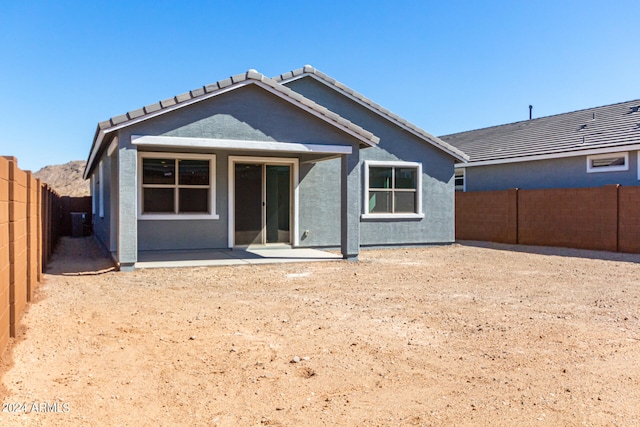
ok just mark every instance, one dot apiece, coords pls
pixel 66 179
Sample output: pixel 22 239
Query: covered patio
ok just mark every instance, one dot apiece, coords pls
pixel 238 256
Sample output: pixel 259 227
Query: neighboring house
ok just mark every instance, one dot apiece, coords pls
pixel 586 148
pixel 300 160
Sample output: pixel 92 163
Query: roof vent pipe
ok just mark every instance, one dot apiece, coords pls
pixel 530 110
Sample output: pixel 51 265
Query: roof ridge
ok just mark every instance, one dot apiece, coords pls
pixel 310 70
pixel 543 117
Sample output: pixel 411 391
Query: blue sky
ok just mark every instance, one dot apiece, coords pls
pixel 446 66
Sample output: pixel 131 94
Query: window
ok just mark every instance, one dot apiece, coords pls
pixel 608 162
pixel 393 190
pixel 459 179
pixel 177 187
pixel 101 188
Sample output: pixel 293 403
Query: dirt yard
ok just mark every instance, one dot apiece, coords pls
pixel 458 335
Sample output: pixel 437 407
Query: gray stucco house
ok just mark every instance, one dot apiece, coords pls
pixel 586 148
pixel 299 159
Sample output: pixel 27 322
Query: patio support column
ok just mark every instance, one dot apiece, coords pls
pixel 350 183
pixel 127 208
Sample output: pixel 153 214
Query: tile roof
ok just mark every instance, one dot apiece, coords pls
pixel 202 92
pixel 609 126
pixel 308 70
pixel 205 92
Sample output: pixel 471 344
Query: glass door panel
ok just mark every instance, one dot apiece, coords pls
pixel 248 204
pixel 278 198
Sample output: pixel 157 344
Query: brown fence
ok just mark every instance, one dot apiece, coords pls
pixel 70 205
pixel 29 228
pixel 603 218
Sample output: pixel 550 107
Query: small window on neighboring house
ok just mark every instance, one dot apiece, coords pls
pixel 459 179
pixel 608 162
pixel 393 190
pixel 177 187
pixel 101 189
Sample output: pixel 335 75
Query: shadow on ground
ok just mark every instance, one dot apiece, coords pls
pixel 555 251
pixel 78 256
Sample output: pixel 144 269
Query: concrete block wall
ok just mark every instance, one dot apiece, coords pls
pixel 50 222
pixel 21 241
pixel 487 216
pixel 600 218
pixel 33 236
pixel 73 204
pixel 5 264
pixel 629 219
pixel 17 243
pixel 582 218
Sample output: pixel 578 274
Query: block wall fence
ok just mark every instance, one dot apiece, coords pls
pixel 603 218
pixel 29 229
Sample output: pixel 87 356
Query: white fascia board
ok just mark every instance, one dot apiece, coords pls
pixel 233 144
pixel 93 154
pixel 460 156
pixel 577 153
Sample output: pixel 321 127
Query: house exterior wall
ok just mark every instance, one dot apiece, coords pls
pixel 248 113
pixel 569 172
pixel 113 203
pixel 102 216
pixel 252 113
pixel 395 144
pixel 319 209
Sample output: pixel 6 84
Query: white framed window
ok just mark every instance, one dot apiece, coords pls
pixel 176 186
pixel 101 188
pixel 459 177
pixel 392 190
pixel 610 162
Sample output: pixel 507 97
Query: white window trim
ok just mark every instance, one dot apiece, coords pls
pixel 617 168
pixel 179 216
pixel 365 205
pixel 464 179
pixel 101 175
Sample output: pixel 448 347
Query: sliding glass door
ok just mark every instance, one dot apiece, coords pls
pixel 262 203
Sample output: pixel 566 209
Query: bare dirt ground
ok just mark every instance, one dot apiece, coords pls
pixel 458 335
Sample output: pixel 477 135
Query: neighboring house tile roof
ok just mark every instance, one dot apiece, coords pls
pixel 609 128
pixel 308 70
pixel 205 92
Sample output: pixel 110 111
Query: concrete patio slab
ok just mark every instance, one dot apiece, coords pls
pixel 237 256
